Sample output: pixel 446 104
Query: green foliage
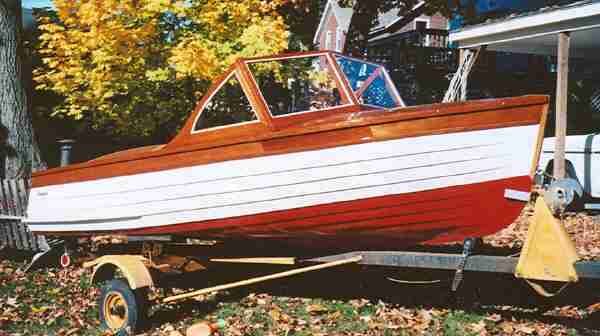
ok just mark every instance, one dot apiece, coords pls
pixel 456 323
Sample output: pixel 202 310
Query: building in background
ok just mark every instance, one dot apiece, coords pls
pixel 416 51
pixel 416 29
pixel 406 45
pixel 333 27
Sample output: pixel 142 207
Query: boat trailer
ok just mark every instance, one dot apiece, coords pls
pixel 548 254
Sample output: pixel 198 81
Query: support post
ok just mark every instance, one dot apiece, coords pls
pixel 562 78
pixel 462 56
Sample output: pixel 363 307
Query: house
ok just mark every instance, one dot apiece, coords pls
pixel 412 47
pixel 418 29
pixel 333 27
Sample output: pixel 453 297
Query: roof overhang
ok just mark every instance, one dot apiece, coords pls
pixel 401 21
pixel 328 7
pixel 537 33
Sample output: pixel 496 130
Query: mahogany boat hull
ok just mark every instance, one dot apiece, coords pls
pixel 433 178
pixel 430 217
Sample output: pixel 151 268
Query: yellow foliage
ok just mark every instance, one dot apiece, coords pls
pixel 158 75
pixel 194 57
pixel 98 51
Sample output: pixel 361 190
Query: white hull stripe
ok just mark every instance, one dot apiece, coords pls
pixel 282 171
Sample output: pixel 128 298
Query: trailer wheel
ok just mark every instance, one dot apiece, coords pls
pixel 122 310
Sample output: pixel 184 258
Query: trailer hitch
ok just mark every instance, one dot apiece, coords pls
pixel 468 247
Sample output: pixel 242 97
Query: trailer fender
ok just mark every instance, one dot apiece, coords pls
pixel 133 268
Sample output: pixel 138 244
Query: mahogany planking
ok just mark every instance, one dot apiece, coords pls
pixel 433 216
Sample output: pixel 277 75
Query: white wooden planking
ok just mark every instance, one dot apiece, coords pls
pixel 279 182
pixel 414 165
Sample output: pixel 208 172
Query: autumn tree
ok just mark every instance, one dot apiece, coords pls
pixel 18 149
pixel 137 67
pixel 302 18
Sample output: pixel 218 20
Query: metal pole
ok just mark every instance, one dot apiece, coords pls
pixel 562 78
pixel 65 151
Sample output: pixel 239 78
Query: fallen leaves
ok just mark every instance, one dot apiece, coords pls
pixel 583 229
pixel 478 328
pixel 63 302
pixel 315 309
pixel 12 302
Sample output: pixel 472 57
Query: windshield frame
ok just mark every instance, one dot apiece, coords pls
pixel 213 91
pixel 386 77
pixel 336 73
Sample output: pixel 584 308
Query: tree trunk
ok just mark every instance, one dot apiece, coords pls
pixel 20 152
pixel 363 19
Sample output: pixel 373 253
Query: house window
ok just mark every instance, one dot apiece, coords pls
pixel 338 40
pixel 421 28
pixel 420 25
pixel 227 106
pixel 328 40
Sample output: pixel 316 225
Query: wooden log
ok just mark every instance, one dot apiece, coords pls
pixel 251 281
pixel 22 235
pixel 4 234
pixel 26 187
pixel 8 198
pixel 23 188
pixel 3 238
pixel 562 79
pixel 13 205
pixel 3 200
pixel 4 223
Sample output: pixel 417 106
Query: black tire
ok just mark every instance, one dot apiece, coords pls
pixel 123 311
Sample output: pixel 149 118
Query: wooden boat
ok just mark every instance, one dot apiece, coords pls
pixel 310 146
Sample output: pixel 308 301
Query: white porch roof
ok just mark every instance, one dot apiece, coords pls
pixel 536 32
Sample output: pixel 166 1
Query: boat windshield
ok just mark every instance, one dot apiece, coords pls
pixel 298 84
pixel 370 83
